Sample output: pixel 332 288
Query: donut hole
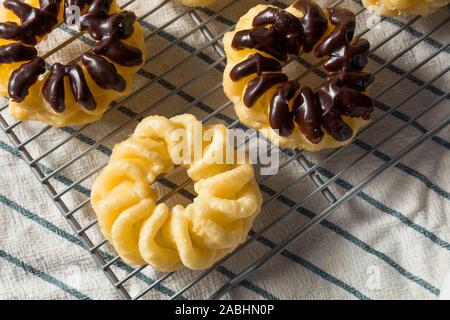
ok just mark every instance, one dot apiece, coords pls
pixel 166 185
pixel 296 69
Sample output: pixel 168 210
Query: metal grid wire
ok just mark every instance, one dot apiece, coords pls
pixel 52 165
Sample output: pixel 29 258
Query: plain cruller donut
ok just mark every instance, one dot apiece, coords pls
pixel 196 236
pixel 286 112
pixel 67 94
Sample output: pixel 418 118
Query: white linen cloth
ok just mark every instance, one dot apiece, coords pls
pixel 390 241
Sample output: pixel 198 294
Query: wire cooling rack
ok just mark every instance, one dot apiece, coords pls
pixel 67 167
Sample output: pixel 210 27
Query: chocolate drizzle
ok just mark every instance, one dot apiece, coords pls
pixel 254 64
pixel 342 93
pixel 23 78
pixel 119 52
pixel 258 86
pixel 280 117
pixel 16 52
pixel 103 72
pixel 314 23
pixel 107 29
pixel 34 22
pixel 54 91
pixel 99 24
pixel 343 54
pixel 263 39
pixel 307 115
pixel 286 24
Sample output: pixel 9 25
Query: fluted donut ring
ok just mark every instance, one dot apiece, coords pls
pixel 70 94
pixel 142 231
pixel 286 112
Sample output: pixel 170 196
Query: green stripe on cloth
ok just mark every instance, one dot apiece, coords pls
pixel 382 207
pixel 408 170
pixel 42 275
pixel 67 236
pixel 75 240
pixel 308 265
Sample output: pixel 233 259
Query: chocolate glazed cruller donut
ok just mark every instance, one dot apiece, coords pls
pixel 266 99
pixel 69 94
pixel 196 236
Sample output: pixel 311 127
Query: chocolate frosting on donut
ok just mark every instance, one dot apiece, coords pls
pixel 280 117
pixel 342 93
pixel 307 115
pixel 16 52
pixel 336 97
pixel 23 78
pixel 117 51
pixel 263 39
pixel 314 23
pixel 108 29
pixel 103 72
pixel 258 86
pixel 34 22
pixel 99 24
pixel 254 64
pixel 286 24
pixel 343 54
pixel 54 91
